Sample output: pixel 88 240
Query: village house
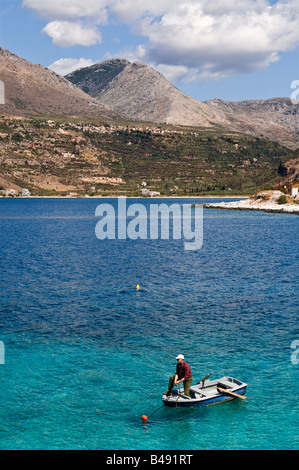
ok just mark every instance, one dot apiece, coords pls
pixel 25 192
pixel 9 192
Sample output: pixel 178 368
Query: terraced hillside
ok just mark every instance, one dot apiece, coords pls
pixel 62 157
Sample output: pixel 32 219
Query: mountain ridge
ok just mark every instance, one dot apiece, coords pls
pixel 143 93
pixel 119 90
pixel 35 89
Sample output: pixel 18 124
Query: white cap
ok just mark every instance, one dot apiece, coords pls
pixel 180 356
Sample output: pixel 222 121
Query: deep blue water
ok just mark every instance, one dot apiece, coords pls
pixel 86 354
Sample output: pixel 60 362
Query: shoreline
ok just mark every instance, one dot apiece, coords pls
pixel 242 204
pixel 128 197
pixel 250 205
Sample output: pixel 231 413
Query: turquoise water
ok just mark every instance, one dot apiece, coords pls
pixel 86 354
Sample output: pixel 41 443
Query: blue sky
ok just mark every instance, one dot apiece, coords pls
pixel 228 49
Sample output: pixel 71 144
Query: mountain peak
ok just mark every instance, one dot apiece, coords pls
pixel 118 89
pixel 35 89
pixel 141 91
pixel 94 79
pixel 144 94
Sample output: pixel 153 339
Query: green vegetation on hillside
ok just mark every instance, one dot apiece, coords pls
pixel 194 162
pixel 61 157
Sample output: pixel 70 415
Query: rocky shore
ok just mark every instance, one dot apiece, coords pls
pixel 268 201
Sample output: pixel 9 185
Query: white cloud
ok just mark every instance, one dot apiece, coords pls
pixel 69 9
pixel 195 35
pixel 174 73
pixel 66 66
pixel 70 33
pixel 190 39
pixel 130 11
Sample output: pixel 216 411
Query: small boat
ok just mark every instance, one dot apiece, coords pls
pixel 208 392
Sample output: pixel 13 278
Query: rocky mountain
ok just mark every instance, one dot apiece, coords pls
pixel 142 93
pixel 120 90
pixel 276 119
pixel 31 88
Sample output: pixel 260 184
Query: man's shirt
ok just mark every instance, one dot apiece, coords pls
pixel 183 371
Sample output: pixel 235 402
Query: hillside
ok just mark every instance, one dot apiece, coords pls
pixel 55 139
pixel 34 89
pixel 142 93
pixel 276 119
pixel 64 156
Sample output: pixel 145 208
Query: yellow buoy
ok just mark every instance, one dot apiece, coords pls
pixel 138 287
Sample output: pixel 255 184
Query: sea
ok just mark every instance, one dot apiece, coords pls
pixel 84 353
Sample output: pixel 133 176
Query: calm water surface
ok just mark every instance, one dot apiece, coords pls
pixel 86 354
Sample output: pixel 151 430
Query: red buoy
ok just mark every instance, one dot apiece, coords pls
pixel 144 418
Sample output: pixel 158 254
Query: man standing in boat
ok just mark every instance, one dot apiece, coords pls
pixel 183 374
